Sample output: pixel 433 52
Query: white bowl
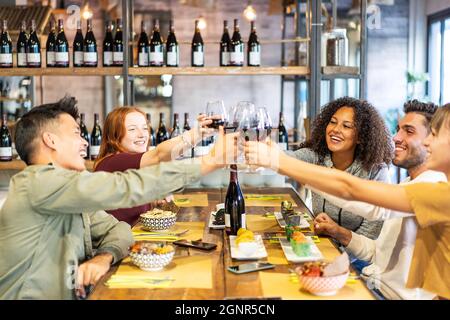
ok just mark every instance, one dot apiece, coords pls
pixel 323 286
pixel 151 262
pixel 154 223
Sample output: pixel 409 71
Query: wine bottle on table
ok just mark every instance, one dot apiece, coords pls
pixel 282 134
pixel 6 48
pixel 22 41
pixel 90 57
pixel 118 45
pixel 50 46
pixel 176 131
pixel 253 48
pixel 33 48
pixel 162 134
pixel 197 48
pixel 108 46
pixel 78 47
pixel 234 205
pixel 151 132
pixel 62 47
pixel 84 133
pixel 237 47
pixel 143 47
pixel 172 48
pixel 156 51
pixel 96 138
pixel 5 141
pixel 225 46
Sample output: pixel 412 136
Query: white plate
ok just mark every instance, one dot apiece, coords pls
pixel 212 218
pixel 303 223
pixel 258 254
pixel 292 257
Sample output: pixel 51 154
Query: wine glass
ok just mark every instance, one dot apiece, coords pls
pixel 264 127
pixel 216 111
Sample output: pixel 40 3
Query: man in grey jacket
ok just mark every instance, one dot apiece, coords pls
pixel 54 238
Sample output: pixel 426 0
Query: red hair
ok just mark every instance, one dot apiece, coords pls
pixel 113 132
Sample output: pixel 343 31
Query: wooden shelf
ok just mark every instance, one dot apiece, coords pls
pixel 155 71
pixel 99 71
pixel 340 72
pixel 18 100
pixel 218 71
pixel 20 165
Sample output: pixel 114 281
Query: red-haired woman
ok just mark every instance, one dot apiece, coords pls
pixel 124 146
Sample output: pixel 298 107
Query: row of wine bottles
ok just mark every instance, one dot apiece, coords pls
pixel 57 47
pixel 151 52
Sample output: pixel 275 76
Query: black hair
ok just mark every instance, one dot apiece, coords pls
pixel 375 147
pixel 30 126
pixel 426 109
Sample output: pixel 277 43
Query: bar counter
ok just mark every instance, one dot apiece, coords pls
pixel 203 275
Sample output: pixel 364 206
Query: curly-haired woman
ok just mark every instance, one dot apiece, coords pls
pixel 349 135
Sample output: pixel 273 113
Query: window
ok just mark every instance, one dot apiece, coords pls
pixel 439 57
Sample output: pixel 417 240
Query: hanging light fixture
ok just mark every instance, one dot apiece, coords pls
pixel 201 23
pixel 250 12
pixel 87 11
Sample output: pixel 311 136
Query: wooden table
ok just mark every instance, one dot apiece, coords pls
pixel 226 285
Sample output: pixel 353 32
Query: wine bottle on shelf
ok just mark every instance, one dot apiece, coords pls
pixel 162 134
pixel 197 48
pixel 176 131
pixel 234 205
pixel 84 134
pixel 5 141
pixel 186 126
pixel 156 52
pixel 78 47
pixel 282 134
pixel 22 41
pixel 62 47
pixel 237 47
pixel 108 46
pixel 6 48
pixel 118 45
pixel 50 46
pixel 90 57
pixel 172 48
pixel 143 47
pixel 225 46
pixel 253 48
pixel 151 132
pixel 33 48
pixel 96 138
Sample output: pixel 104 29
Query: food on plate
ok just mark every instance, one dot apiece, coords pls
pixel 244 235
pixel 300 245
pixel 290 230
pixel 219 217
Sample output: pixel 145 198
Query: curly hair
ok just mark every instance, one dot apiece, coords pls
pixel 375 146
pixel 425 109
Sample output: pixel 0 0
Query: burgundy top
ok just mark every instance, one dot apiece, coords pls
pixel 123 162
